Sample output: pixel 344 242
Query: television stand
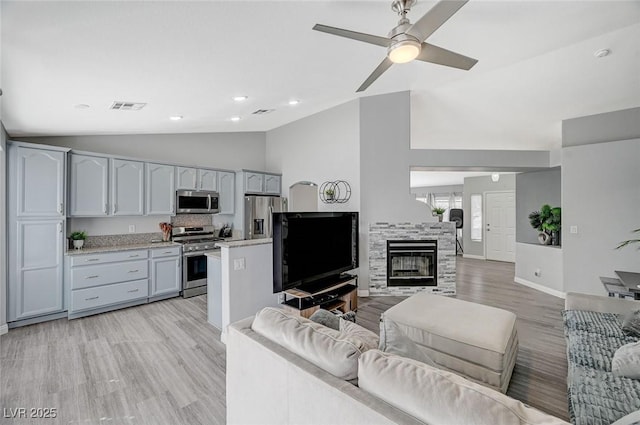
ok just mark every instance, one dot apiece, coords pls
pixel 337 294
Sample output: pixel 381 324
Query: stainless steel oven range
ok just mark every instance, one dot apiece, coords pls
pixel 195 242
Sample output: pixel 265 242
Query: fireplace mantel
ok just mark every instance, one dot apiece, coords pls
pixel 443 232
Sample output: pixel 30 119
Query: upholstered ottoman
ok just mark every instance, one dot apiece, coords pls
pixel 473 340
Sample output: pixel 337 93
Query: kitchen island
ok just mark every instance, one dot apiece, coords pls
pixel 241 281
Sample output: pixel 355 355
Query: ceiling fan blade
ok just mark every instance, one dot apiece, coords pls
pixel 434 18
pixel 435 54
pixel 384 65
pixel 360 36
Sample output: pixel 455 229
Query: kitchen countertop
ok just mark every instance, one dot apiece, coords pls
pixel 117 248
pixel 242 243
pixel 214 254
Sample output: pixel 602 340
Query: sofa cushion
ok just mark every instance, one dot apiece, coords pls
pixel 335 352
pixel 438 397
pixel 353 330
pixel 394 341
pixel 631 323
pixel 626 361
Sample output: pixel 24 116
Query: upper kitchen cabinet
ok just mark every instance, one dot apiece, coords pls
pixel 187 178
pixel 226 189
pixel 207 180
pixel 127 187
pixel 272 184
pixel 89 186
pixel 253 182
pixel 40 182
pixel 161 189
pixel 261 183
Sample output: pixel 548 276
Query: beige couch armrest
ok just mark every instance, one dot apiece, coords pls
pixel 575 301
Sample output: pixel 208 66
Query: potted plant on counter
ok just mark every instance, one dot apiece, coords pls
pixel 437 212
pixel 78 238
pixel 548 222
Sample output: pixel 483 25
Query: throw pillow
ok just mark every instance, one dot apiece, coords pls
pixel 626 361
pixel 369 339
pixel 326 318
pixel 394 341
pixel 350 316
pixel 631 323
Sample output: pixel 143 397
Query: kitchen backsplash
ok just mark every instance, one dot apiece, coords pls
pixel 117 240
pixel 183 220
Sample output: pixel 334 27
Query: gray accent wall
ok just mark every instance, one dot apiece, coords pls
pixel 480 185
pixel 617 125
pixel 534 189
pixel 3 227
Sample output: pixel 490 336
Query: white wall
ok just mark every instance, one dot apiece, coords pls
pixel 322 147
pixel 480 185
pixel 600 196
pixel 3 230
pixel 540 267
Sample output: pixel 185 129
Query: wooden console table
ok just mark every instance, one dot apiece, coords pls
pixel 342 296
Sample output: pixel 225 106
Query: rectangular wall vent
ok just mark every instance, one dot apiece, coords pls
pixel 127 106
pixel 262 111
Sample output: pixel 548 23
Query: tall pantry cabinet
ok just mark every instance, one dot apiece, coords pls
pixel 36 211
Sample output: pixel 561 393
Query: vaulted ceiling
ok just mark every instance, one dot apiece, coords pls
pixel 536 67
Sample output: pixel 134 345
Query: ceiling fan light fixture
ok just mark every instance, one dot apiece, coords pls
pixel 403 51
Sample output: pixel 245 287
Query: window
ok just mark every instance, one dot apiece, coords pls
pixel 476 218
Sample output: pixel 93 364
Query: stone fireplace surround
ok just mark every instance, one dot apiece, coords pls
pixel 443 232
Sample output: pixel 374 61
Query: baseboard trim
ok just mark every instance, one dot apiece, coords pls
pixel 474 257
pixel 540 288
pixel 4 329
pixel 363 292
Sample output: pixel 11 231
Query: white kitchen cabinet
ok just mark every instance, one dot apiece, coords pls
pixel 207 179
pixel 166 276
pixel 187 178
pixel 40 182
pixel 127 187
pixel 89 186
pixel 160 193
pixel 226 191
pixel 253 182
pixel 272 184
pixel 35 283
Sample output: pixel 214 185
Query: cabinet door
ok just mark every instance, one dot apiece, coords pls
pixel 88 189
pixel 253 182
pixel 40 182
pixel 165 276
pixel 161 189
pixel 187 178
pixel 127 187
pixel 37 286
pixel 227 192
pixel 207 180
pixel 272 184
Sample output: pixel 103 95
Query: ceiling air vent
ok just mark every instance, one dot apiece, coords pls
pixel 127 106
pixel 262 111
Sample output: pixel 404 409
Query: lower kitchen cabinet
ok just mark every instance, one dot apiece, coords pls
pixel 166 274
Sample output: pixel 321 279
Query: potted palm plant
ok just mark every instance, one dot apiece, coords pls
pixel 78 238
pixel 630 241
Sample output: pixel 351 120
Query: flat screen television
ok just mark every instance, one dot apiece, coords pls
pixel 311 248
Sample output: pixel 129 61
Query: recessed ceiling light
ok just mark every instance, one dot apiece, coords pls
pixel 81 106
pixel 235 119
pixel 293 102
pixel 602 53
pixel 240 98
pixel 175 117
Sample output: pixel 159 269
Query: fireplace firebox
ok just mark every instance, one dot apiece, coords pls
pixel 412 263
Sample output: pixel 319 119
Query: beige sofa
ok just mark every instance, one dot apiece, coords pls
pixel 268 384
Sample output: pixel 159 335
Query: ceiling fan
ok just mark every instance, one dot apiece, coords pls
pixel 405 42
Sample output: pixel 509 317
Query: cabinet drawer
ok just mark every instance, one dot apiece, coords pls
pixel 172 251
pixel 85 277
pixel 107 257
pixel 84 299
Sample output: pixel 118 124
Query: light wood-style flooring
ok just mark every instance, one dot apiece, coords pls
pixel 162 363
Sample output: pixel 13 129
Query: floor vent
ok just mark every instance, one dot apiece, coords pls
pixel 127 106
pixel 262 111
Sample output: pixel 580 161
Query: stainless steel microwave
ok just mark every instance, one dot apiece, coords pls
pixel 197 202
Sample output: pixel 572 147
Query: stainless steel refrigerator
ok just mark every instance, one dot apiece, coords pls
pixel 258 222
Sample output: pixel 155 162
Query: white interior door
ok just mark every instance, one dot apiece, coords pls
pixel 500 229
